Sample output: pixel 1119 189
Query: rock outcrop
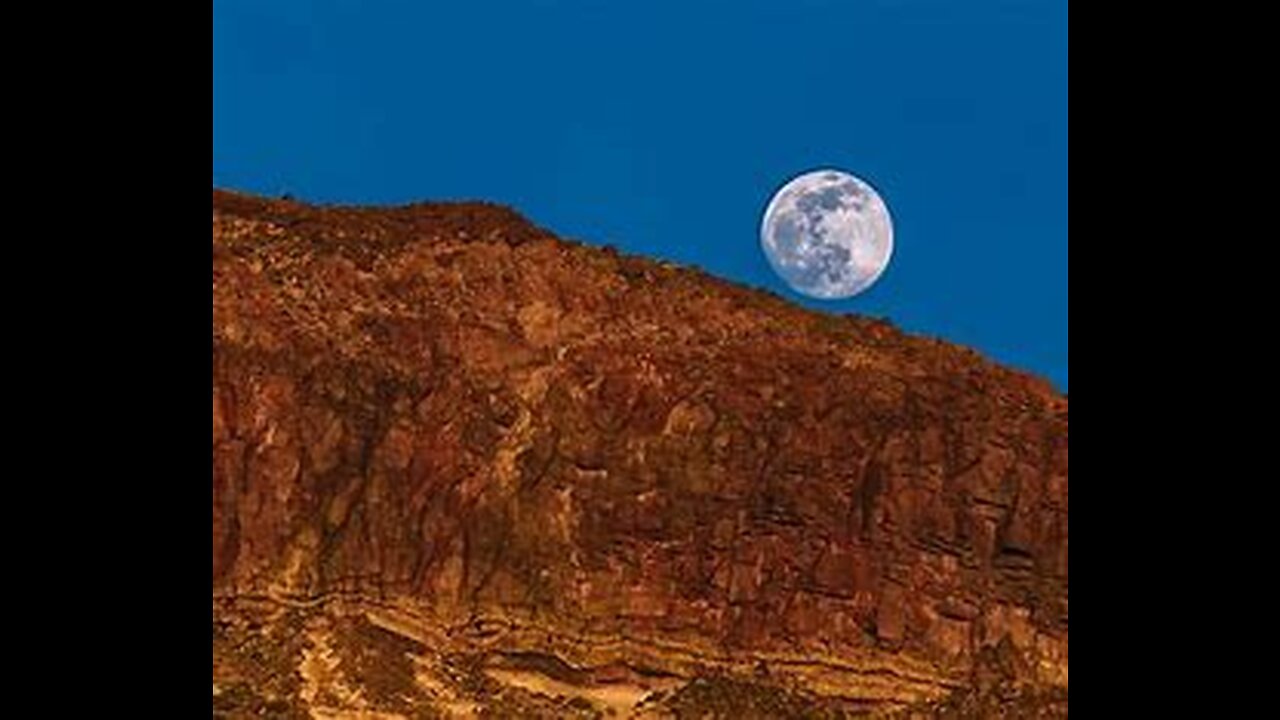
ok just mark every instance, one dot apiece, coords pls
pixel 464 468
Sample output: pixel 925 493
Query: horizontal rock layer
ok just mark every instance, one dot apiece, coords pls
pixel 443 420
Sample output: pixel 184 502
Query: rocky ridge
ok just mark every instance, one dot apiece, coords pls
pixel 462 467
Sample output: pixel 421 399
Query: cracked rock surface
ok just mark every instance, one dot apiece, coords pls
pixel 463 468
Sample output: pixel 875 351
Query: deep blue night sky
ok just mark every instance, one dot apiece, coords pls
pixel 664 127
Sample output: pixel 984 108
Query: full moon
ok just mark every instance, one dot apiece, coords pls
pixel 827 234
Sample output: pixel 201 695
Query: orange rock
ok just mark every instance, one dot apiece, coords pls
pixel 444 409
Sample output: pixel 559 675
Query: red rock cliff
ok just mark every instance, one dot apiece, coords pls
pixel 443 426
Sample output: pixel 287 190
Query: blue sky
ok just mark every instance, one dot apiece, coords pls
pixel 663 127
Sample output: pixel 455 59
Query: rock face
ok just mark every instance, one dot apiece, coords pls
pixel 464 468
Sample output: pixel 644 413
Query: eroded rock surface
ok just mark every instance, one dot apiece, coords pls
pixel 463 468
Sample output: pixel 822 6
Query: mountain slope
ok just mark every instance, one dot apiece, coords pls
pixel 465 468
